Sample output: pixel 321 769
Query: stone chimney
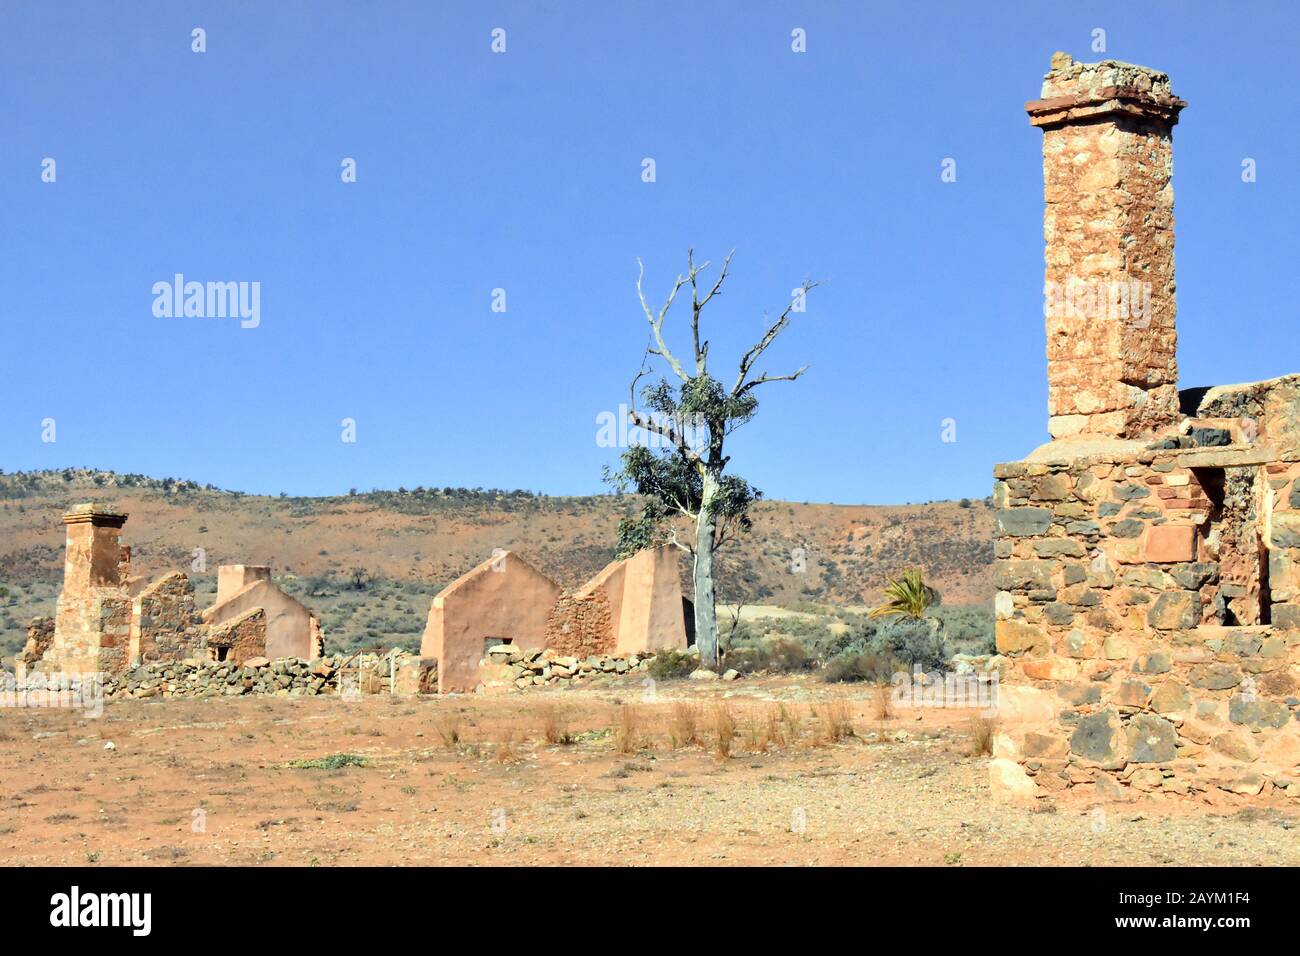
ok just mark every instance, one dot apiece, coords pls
pixel 92 620
pixel 233 578
pixel 1109 230
pixel 95 554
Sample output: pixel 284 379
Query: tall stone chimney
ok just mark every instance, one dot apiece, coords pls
pixel 1109 230
pixel 92 622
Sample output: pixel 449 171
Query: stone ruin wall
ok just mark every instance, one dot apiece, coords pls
pixel 141 645
pixel 165 623
pixel 40 635
pixel 581 624
pixel 238 640
pixel 1157 604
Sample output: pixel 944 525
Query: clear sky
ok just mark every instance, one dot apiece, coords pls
pixel 522 171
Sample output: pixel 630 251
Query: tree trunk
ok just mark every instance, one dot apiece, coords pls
pixel 706 612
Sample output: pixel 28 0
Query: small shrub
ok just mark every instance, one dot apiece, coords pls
pixel 873 667
pixel 778 655
pixel 672 664
pixel 914 642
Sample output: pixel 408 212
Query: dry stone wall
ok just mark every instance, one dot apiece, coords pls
pixel 200 679
pixel 509 665
pixel 1154 600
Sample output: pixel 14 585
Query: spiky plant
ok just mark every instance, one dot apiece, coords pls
pixel 906 596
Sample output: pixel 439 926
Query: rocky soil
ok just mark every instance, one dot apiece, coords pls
pixel 473 780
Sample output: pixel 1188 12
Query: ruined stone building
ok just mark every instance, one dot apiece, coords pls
pixel 107 621
pixel 291 630
pixel 632 606
pixel 504 600
pixel 92 623
pixel 1147 558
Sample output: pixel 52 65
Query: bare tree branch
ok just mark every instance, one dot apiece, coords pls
pixel 657 325
pixel 698 304
pixel 672 539
pixel 641 420
pixel 641 373
pixel 772 378
pixel 776 328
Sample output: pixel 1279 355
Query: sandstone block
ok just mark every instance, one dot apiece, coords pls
pixel 1009 783
pixel 1169 544
pixel 1017 637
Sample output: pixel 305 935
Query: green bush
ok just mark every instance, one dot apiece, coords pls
pixel 871 666
pixel 777 654
pixel 912 642
pixel 671 664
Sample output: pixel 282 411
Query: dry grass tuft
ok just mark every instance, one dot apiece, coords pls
pixel 627 729
pixel 791 723
pixel 684 725
pixel 982 730
pixel 834 722
pixel 506 752
pixel 765 731
pixel 883 709
pixel 724 730
pixel 448 728
pixel 555 724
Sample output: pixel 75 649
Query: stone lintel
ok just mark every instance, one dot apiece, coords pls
pixel 1225 456
pixel 1228 456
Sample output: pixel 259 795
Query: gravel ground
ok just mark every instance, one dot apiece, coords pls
pixel 211 782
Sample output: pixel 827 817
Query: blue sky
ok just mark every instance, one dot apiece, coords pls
pixel 522 171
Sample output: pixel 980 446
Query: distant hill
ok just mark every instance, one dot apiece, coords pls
pixel 423 538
